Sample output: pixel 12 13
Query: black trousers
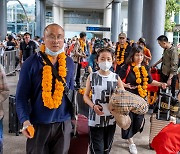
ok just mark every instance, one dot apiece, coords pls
pixel 137 125
pixel 50 139
pixel 164 78
pixel 101 139
pixel 78 74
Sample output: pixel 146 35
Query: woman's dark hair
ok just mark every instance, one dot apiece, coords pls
pixel 104 50
pixel 134 50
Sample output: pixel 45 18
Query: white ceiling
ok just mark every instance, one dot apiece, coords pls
pixel 85 4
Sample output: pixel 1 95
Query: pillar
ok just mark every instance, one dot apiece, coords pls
pixel 58 15
pixel 3 17
pixel 135 9
pixel 107 21
pixel 40 17
pixel 153 25
pixel 116 20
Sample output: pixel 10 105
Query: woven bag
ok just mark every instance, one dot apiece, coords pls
pixel 123 102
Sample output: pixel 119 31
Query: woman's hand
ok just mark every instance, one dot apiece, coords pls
pixel 164 85
pixel 98 109
pixel 130 86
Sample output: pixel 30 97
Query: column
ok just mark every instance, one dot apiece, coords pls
pixel 116 20
pixel 135 9
pixel 40 17
pixel 3 17
pixel 58 15
pixel 107 21
pixel 153 25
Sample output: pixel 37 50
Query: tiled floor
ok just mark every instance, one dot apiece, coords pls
pixel 16 144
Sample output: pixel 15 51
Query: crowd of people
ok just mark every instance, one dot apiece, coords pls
pixel 41 99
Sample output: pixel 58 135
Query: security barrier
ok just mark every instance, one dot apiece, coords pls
pixel 8 61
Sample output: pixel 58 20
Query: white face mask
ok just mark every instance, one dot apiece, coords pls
pixel 105 66
pixel 51 53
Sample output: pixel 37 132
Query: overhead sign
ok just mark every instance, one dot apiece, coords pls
pixel 104 29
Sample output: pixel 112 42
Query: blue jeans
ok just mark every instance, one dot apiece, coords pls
pixel 1 136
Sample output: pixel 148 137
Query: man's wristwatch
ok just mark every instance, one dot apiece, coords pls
pixel 24 128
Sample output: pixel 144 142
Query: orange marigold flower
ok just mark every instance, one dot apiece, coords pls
pixel 30 130
pixel 138 80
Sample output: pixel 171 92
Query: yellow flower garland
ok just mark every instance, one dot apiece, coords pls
pixel 55 100
pixel 82 44
pixel 82 91
pixel 151 99
pixel 120 59
pixel 142 88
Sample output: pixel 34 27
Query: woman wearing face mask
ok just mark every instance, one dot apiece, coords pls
pixel 137 79
pixel 101 122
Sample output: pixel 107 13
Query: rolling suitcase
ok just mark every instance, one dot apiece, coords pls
pixel 161 119
pixel 82 107
pixel 14 124
pixel 80 138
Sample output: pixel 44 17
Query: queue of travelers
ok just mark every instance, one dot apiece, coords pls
pixel 41 100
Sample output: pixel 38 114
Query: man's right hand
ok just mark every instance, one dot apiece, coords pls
pixel 154 65
pixel 20 63
pixel 24 129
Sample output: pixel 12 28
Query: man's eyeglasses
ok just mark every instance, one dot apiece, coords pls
pixel 121 38
pixel 53 38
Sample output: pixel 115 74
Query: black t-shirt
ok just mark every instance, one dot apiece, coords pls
pixel 131 78
pixel 10 46
pixel 27 49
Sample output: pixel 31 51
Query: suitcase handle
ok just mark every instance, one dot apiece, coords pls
pixel 169 95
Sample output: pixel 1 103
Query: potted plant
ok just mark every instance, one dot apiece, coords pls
pixel 172 8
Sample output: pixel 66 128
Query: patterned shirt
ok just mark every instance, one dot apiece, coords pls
pixel 4 90
pixel 102 88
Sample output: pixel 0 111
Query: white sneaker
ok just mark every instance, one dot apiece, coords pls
pixel 132 149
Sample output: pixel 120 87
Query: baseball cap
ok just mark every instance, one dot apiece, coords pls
pixel 122 35
pixel 142 40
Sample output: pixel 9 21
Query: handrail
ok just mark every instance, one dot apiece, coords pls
pixel 8 60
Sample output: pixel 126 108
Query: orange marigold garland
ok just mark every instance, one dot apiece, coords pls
pixel 120 56
pixel 151 99
pixel 82 91
pixel 82 44
pixel 53 101
pixel 142 82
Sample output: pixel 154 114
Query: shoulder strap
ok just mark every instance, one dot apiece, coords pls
pixel 54 71
pixel 127 72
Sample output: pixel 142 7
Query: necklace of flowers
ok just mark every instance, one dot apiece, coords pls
pixel 53 101
pixel 120 59
pixel 142 86
pixel 82 44
pixel 82 91
pixel 151 99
